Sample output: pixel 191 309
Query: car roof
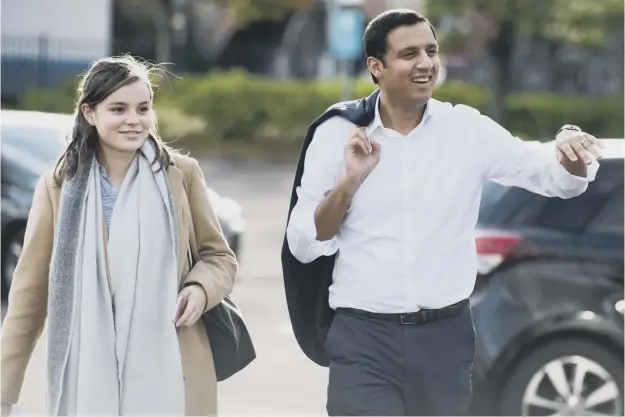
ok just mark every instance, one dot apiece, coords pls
pixel 613 148
pixel 17 118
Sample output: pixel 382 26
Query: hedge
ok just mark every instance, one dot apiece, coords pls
pixel 238 107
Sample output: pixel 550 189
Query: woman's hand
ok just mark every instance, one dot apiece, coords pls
pixel 191 305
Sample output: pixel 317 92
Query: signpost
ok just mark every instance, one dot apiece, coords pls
pixel 346 21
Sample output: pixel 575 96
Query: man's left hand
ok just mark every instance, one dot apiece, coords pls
pixel 573 149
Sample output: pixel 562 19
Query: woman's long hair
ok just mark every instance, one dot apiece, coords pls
pixel 102 79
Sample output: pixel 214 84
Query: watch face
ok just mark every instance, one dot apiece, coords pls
pixel 569 127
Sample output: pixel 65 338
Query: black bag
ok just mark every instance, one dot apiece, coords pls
pixel 230 341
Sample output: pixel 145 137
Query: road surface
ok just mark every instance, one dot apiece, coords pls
pixel 281 380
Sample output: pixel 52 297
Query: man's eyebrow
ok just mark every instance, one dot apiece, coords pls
pixel 416 48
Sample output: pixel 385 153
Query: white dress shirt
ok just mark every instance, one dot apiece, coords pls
pixel 407 241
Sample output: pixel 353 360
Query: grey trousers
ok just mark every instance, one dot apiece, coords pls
pixel 379 367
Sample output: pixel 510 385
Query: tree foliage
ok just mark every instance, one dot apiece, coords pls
pixel 494 26
pixel 584 22
pixel 252 10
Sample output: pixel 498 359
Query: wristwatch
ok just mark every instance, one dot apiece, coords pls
pixel 569 127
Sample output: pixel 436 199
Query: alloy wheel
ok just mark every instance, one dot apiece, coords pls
pixel 572 386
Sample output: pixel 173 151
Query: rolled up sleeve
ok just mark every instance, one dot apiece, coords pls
pixel 569 182
pixel 321 173
pixel 531 165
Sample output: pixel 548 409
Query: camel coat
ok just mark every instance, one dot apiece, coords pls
pixel 215 271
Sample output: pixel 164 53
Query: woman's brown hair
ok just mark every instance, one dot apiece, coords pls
pixel 103 78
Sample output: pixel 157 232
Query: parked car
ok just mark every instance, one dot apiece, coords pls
pixel 31 144
pixel 548 303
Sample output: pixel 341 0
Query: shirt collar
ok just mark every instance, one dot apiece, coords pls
pixel 430 109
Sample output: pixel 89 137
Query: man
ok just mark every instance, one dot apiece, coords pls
pixel 390 209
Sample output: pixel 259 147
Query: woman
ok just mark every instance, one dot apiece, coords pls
pixel 106 258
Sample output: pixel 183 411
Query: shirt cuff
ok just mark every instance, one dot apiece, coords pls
pixel 568 181
pixel 316 248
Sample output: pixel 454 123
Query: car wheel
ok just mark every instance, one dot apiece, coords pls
pixel 12 252
pixel 568 377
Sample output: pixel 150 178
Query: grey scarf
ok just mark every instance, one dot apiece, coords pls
pixel 112 344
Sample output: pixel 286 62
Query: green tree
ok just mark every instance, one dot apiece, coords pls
pixel 496 25
pixel 155 15
pixel 159 15
pixel 251 10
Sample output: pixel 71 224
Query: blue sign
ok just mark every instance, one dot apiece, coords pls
pixel 345 31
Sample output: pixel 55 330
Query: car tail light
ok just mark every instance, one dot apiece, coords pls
pixel 493 248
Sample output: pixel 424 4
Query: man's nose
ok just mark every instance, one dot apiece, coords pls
pixel 424 62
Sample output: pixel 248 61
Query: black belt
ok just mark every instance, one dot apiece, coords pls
pixel 418 317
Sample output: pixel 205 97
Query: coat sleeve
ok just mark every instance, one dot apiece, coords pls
pixel 216 267
pixel 28 298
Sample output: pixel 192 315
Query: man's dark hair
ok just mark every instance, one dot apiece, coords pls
pixel 377 30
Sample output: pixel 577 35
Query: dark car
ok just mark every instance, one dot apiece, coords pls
pixel 548 302
pixel 31 144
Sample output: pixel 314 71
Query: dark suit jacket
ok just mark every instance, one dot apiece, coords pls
pixel 306 285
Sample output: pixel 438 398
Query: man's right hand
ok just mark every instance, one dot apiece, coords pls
pixel 361 156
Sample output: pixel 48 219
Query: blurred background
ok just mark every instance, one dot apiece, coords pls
pixel 245 79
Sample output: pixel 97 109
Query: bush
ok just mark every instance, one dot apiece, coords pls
pixel 174 124
pixel 59 100
pixel 236 107
pixel 241 107
pixel 540 115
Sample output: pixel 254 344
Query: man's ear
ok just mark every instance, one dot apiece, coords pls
pixel 375 67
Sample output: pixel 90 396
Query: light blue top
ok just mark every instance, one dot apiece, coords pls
pixel 109 195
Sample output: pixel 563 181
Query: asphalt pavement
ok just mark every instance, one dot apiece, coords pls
pixel 281 381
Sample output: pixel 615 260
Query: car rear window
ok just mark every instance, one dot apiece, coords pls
pixel 512 206
pixel 609 221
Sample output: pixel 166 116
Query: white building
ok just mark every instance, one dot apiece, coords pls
pixel 46 41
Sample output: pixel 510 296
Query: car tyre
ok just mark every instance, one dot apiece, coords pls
pixel 530 382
